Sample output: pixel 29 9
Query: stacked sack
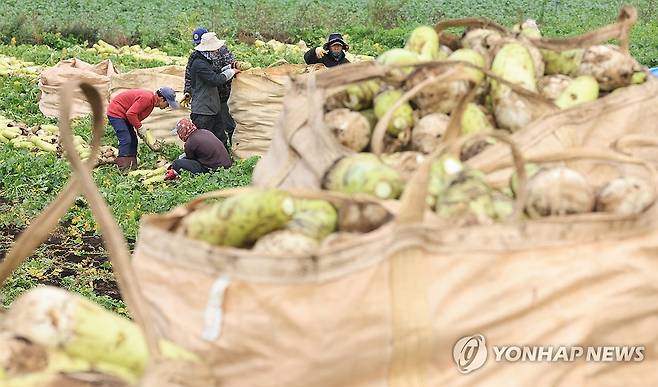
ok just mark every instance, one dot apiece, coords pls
pixel 397 285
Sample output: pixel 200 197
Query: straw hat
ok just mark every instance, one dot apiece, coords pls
pixel 209 42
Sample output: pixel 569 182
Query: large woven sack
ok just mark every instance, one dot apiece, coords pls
pixel 52 80
pixel 295 159
pixel 386 308
pixel 578 280
pixel 622 121
pixel 161 122
pixel 303 149
pixel 256 103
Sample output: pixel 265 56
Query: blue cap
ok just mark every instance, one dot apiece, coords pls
pixel 196 35
pixel 170 95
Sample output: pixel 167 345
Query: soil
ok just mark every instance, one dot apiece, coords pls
pixel 67 253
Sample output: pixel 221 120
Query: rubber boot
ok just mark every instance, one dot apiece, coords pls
pixel 126 163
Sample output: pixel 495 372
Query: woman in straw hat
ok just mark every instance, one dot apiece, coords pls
pixel 225 58
pixel 204 83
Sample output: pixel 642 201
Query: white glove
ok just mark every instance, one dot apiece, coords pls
pixel 320 52
pixel 229 73
pixel 228 66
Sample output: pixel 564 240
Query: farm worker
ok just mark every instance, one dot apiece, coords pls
pixel 126 112
pixel 203 151
pixel 187 90
pixel 332 53
pixel 205 82
pixel 225 58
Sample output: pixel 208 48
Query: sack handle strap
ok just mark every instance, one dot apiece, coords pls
pixel 634 140
pixel 413 201
pixel 619 30
pixel 574 154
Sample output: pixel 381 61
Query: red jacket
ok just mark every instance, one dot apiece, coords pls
pixel 133 105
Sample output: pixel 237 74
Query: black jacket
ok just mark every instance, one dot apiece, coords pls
pixel 204 83
pixel 225 58
pixel 326 60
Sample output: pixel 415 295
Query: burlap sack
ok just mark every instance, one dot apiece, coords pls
pixel 52 79
pixel 295 159
pixel 161 122
pixel 303 149
pixel 611 122
pixel 386 308
pixel 256 103
pixel 625 120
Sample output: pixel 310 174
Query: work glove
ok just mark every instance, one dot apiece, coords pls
pixel 320 52
pixel 187 99
pixel 230 73
pixel 170 174
pixel 149 139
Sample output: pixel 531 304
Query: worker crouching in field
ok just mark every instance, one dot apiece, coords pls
pixel 126 112
pixel 332 53
pixel 204 152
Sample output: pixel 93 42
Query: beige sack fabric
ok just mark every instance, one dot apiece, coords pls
pixel 52 80
pixel 256 104
pixel 161 122
pixel 386 308
pixel 324 329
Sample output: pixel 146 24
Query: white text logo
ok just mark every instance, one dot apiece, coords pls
pixel 470 353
